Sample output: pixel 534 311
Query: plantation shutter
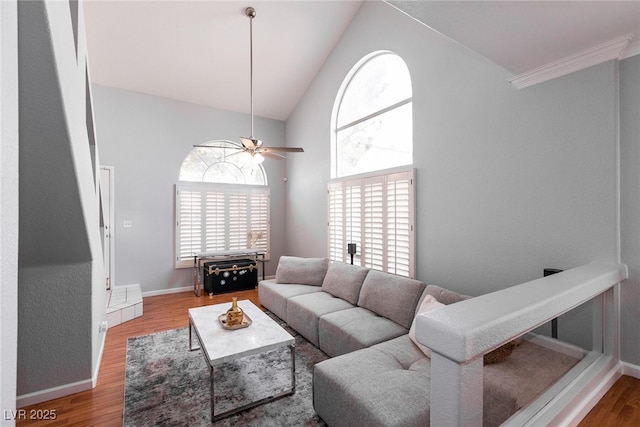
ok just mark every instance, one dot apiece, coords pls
pixel 374 237
pixel 399 224
pixel 259 219
pixel 336 222
pixel 238 220
pixel 214 217
pixel 376 213
pixel 215 221
pixel 353 226
pixel 189 215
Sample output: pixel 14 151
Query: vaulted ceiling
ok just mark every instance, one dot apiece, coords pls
pixel 198 51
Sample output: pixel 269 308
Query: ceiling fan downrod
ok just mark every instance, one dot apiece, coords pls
pixel 251 13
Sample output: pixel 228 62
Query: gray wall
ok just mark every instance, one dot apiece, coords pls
pixel 508 181
pixel 630 208
pixel 61 282
pixel 146 138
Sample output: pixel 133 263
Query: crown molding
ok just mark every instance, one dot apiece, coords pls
pixel 632 49
pixel 613 49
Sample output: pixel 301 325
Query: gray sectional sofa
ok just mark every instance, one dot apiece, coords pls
pixel 377 375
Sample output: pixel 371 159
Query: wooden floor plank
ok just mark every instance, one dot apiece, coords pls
pixel 619 407
pixel 103 405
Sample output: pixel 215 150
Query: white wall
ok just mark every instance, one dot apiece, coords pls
pixel 146 138
pixel 508 181
pixel 8 205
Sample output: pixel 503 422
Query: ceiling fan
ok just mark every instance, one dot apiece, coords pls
pixel 252 145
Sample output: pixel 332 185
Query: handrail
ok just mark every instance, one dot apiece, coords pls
pixel 458 335
pixel 470 328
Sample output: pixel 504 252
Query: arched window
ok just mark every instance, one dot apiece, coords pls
pixel 373 133
pixel 373 124
pixel 222 203
pixel 221 162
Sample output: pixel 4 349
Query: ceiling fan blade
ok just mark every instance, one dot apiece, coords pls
pixel 250 143
pixel 283 149
pixel 226 147
pixel 272 155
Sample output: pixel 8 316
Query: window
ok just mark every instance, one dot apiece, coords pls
pixel 221 162
pixel 373 134
pixel 226 206
pixel 377 213
pixel 373 124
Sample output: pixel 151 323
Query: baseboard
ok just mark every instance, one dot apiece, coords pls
pixel 64 390
pixel 53 393
pixel 96 371
pixel 178 290
pixel 630 369
pixel 167 291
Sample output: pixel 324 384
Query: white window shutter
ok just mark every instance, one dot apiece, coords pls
pixel 215 221
pixel 377 214
pixel 189 215
pixel 374 242
pixel 353 226
pixel 336 225
pixel 400 221
pixel 238 220
pixel 259 221
pixel 215 217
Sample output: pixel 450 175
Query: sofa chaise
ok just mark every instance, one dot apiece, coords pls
pixel 378 374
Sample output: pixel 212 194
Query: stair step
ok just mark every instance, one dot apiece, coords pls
pixel 125 303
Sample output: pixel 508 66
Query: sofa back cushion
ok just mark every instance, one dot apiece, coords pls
pixel 390 296
pixel 301 271
pixel 344 281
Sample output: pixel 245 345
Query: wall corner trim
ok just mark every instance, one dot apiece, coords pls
pixel 613 49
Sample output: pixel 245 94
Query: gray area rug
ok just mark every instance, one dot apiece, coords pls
pixel 168 385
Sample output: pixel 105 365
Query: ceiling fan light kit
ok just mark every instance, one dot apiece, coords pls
pixel 252 145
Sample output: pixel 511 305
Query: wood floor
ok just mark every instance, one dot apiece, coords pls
pixel 102 406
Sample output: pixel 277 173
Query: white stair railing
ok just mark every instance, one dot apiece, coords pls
pixel 460 334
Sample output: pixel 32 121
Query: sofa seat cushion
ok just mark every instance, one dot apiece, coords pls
pixel 384 385
pixel 273 296
pixel 304 311
pixel 345 331
pixel 391 296
pixel 388 384
pixel 303 271
pixel 344 281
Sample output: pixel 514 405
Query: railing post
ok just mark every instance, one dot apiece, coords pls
pixel 456 392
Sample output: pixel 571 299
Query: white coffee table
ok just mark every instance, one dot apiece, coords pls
pixel 220 345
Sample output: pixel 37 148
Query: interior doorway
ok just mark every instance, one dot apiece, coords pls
pixel 107 219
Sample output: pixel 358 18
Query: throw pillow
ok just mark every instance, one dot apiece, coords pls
pixel 428 303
